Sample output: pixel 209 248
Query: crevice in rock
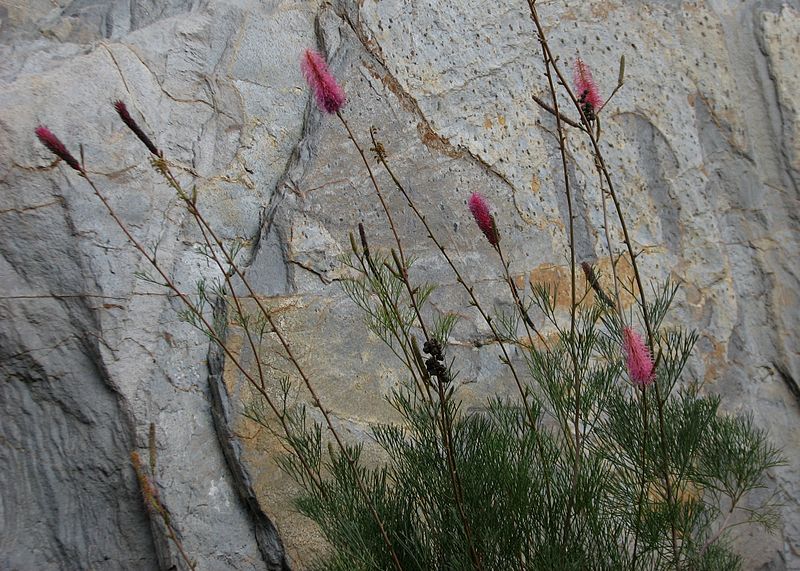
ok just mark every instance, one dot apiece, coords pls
pixel 789 380
pixel 269 242
pixel 269 542
pixel 272 233
pixel 428 136
pixel 322 277
pixel 769 88
pixel 658 165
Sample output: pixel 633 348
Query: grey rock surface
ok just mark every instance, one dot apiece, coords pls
pixel 90 354
pixel 703 141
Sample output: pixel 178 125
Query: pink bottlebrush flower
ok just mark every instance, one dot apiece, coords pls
pixel 55 146
pixel 122 110
pixel 586 89
pixel 480 211
pixel 330 96
pixel 638 360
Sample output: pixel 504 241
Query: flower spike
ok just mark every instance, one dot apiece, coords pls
pixel 55 146
pixel 480 211
pixel 330 96
pixel 122 110
pixel 638 359
pixel 586 89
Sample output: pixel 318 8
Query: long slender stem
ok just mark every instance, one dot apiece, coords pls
pixel 459 278
pixel 642 394
pixel 207 326
pixel 447 426
pixel 446 421
pixel 576 376
pixel 154 504
pixel 643 484
pixel 312 391
pixel 408 359
pixel 523 311
pixel 237 302
pixel 161 164
pixel 637 275
pixel 610 250
pixel 392 226
pixel 174 537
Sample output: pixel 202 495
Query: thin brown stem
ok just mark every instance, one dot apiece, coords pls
pixel 612 260
pixel 523 311
pixel 192 207
pixel 549 64
pixel 179 544
pixel 408 359
pixel 310 387
pixel 552 111
pixel 640 501
pixel 155 505
pixel 526 319
pixel 459 278
pixel 447 426
pixel 445 422
pixel 220 342
pixel 403 271
pixel 637 275
pixel 642 394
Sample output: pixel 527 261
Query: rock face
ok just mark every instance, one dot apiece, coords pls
pixel 702 141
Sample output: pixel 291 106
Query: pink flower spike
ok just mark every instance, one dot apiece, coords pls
pixel 55 146
pixel 122 111
pixel 586 89
pixel 330 96
pixel 638 360
pixel 480 211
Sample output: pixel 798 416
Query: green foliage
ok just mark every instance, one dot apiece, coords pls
pixel 534 493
